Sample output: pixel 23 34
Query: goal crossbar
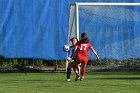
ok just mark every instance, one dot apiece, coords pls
pixel 108 4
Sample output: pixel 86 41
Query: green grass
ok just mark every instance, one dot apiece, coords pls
pixel 106 82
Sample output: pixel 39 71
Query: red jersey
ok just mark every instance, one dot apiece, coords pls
pixel 82 48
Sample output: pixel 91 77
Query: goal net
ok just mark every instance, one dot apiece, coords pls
pixel 113 28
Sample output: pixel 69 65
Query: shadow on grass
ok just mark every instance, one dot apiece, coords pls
pixel 115 78
pixel 115 73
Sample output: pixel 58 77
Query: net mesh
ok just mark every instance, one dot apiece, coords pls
pixel 112 30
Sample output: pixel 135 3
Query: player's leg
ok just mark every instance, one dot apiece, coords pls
pixel 68 71
pixel 83 71
pixel 76 69
pixel 68 74
pixel 83 68
pixel 73 65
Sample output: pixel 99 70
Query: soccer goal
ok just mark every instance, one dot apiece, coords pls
pixel 113 28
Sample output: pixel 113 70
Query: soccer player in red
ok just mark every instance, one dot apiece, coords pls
pixel 82 48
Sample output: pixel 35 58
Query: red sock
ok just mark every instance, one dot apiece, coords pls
pixel 76 70
pixel 83 71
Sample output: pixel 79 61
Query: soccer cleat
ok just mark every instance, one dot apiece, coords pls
pixel 77 77
pixel 68 80
pixel 81 79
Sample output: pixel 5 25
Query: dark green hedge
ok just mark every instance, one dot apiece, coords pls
pixel 39 62
pixel 31 62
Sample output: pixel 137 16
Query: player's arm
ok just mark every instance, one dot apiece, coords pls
pixel 69 54
pixel 92 49
pixel 75 48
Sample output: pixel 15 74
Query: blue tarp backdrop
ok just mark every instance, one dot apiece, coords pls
pixel 38 28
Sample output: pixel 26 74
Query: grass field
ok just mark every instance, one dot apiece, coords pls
pixel 100 82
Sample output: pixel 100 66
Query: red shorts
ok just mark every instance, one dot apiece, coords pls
pixel 81 59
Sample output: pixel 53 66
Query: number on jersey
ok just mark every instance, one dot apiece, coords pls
pixel 83 47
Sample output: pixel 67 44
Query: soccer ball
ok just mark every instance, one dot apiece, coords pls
pixel 66 47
